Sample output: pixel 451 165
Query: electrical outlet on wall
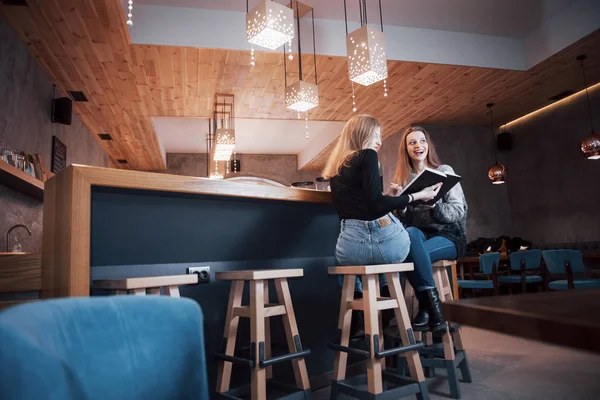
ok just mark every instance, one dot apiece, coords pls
pixel 203 273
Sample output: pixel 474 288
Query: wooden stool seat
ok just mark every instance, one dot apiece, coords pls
pixel 138 286
pixel 259 274
pixel 443 264
pixel 259 311
pixel 450 354
pixel 371 269
pixel 396 386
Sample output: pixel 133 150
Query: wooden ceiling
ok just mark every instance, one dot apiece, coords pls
pixel 85 45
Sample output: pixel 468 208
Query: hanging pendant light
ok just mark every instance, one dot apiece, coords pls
pixel 224 138
pixel 269 24
pixel 496 171
pixel 365 48
pixel 590 145
pixel 301 96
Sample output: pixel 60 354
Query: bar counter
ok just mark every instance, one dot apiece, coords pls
pixel 102 223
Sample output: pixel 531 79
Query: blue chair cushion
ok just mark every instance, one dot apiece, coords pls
pixel 580 283
pixel 468 284
pixel 517 279
pixel 117 347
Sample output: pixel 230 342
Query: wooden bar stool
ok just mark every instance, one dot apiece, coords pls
pixel 450 353
pixel 377 377
pixel 259 311
pixel 138 286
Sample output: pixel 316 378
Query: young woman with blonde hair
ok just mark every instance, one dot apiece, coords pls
pixel 370 233
pixel 436 232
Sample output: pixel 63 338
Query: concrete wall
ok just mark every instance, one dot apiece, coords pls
pixel 552 194
pixel 25 104
pixel 470 151
pixel 554 190
pixel 282 168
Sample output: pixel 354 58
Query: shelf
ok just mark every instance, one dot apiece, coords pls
pixel 20 181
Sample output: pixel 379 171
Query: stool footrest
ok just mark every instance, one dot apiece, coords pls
pixel 455 327
pixel 300 353
pixel 378 354
pixel 350 350
pixel 285 357
pixel 236 360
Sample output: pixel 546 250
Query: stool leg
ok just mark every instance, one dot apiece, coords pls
pixel 411 303
pixel 374 378
pixel 268 333
pixel 443 286
pixel 137 292
pixel 257 336
pixel 230 335
pixel 155 291
pixel 291 332
pixel 465 369
pixel 344 320
pixel 172 291
pixel 454 281
pixel 380 319
pixel 406 333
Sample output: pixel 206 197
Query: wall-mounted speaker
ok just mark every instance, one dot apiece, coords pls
pixel 61 110
pixel 504 141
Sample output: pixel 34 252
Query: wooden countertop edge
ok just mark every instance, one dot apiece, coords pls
pixel 120 178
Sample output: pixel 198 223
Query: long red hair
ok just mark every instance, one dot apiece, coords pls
pixel 405 166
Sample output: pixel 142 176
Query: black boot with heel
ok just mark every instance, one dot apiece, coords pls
pixel 430 312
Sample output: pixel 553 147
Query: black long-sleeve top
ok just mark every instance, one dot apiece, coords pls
pixel 357 190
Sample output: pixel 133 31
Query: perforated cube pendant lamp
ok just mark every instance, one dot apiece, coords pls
pixel 367 62
pixel 224 144
pixel 301 96
pixel 365 49
pixel 224 122
pixel 269 24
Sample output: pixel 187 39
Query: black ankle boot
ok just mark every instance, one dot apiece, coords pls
pixel 421 320
pixel 436 320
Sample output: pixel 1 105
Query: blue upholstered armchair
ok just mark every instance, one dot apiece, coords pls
pixel 121 347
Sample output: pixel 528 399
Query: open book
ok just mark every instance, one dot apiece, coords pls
pixel 429 177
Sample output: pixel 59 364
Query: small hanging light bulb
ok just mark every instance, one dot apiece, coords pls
pixel 252 63
pixel 306 124
pixel 385 93
pixel 130 14
pixel 299 116
pixel 353 99
pixel 290 56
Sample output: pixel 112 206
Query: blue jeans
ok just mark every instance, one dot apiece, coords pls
pixel 366 243
pixel 423 253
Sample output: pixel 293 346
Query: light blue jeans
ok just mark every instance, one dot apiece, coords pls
pixel 366 243
pixel 423 253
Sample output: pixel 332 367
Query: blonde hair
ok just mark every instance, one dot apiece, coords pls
pixel 405 166
pixel 358 134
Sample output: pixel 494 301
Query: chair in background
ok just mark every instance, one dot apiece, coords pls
pixel 113 347
pixel 488 263
pixel 569 263
pixel 528 264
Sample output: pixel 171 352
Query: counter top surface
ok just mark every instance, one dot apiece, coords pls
pixel 119 178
